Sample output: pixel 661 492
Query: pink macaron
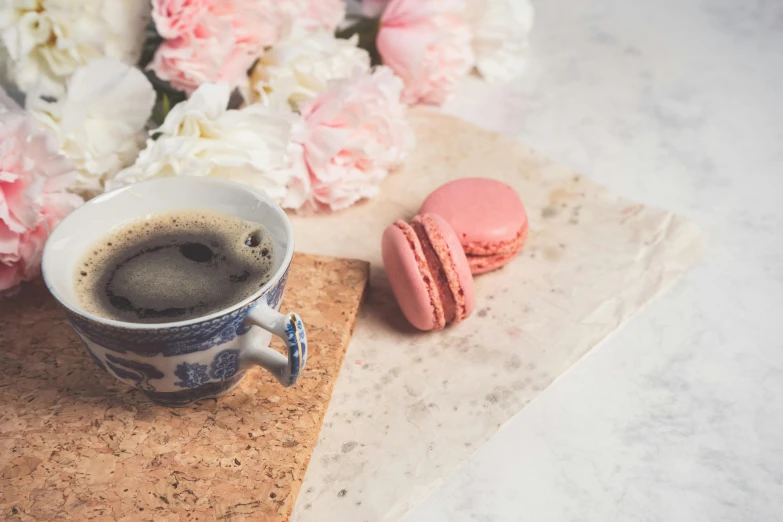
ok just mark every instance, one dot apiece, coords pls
pixel 487 216
pixel 428 272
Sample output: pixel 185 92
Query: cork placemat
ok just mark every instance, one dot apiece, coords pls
pixel 75 444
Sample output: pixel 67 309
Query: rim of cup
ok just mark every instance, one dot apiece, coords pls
pixel 67 303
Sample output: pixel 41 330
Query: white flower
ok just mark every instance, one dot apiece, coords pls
pixel 200 137
pixel 500 36
pixel 299 189
pixel 100 120
pixel 298 68
pixel 47 40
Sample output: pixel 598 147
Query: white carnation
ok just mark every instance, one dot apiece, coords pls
pixel 48 40
pixel 500 36
pixel 299 186
pixel 200 137
pixel 299 67
pixel 99 121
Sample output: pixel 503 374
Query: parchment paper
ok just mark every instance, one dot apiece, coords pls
pixel 409 407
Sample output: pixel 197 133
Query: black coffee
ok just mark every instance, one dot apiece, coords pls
pixel 174 267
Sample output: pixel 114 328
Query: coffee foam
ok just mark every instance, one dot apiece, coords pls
pixel 116 262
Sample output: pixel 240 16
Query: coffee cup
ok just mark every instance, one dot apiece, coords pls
pixel 178 363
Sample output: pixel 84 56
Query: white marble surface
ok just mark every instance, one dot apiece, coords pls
pixel 679 415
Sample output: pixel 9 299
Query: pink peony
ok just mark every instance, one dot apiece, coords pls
pixel 428 44
pixel 211 41
pixel 373 8
pixel 33 179
pixel 322 14
pixel 353 133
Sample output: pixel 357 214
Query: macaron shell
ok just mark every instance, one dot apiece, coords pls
pixel 512 247
pixel 480 210
pixel 480 264
pixel 408 274
pixel 453 262
pixel 484 264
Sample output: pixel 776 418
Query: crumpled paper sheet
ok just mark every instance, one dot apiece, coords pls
pixel 409 407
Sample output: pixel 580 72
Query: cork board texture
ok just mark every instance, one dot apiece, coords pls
pixel 75 444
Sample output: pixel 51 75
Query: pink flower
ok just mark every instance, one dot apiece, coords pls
pixel 211 41
pixel 426 43
pixel 353 133
pixel 322 14
pixel 33 179
pixel 373 8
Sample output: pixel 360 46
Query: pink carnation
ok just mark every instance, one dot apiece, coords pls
pixel 211 41
pixel 322 14
pixel 33 179
pixel 428 44
pixel 373 8
pixel 352 135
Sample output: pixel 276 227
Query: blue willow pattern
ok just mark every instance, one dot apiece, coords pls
pixel 191 375
pixel 225 364
pixel 297 346
pixel 136 371
pixel 124 350
pixel 174 341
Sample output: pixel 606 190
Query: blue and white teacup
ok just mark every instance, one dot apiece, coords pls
pixel 178 363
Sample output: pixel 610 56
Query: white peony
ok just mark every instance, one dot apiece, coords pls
pixel 99 121
pixel 48 40
pixel 200 137
pixel 299 188
pixel 299 67
pixel 500 36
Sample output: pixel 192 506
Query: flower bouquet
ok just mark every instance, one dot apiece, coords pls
pixel 305 100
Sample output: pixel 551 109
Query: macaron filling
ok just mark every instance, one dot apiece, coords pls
pixel 454 291
pixel 434 256
pixel 482 264
pixel 496 248
pixel 439 319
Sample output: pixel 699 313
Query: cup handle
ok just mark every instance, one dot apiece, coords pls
pixel 288 327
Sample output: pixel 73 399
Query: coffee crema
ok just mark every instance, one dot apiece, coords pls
pixel 174 267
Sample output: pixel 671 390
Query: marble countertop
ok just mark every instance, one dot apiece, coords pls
pixel 679 415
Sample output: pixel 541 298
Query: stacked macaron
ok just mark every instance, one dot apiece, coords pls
pixel 428 271
pixel 488 217
pixel 468 226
